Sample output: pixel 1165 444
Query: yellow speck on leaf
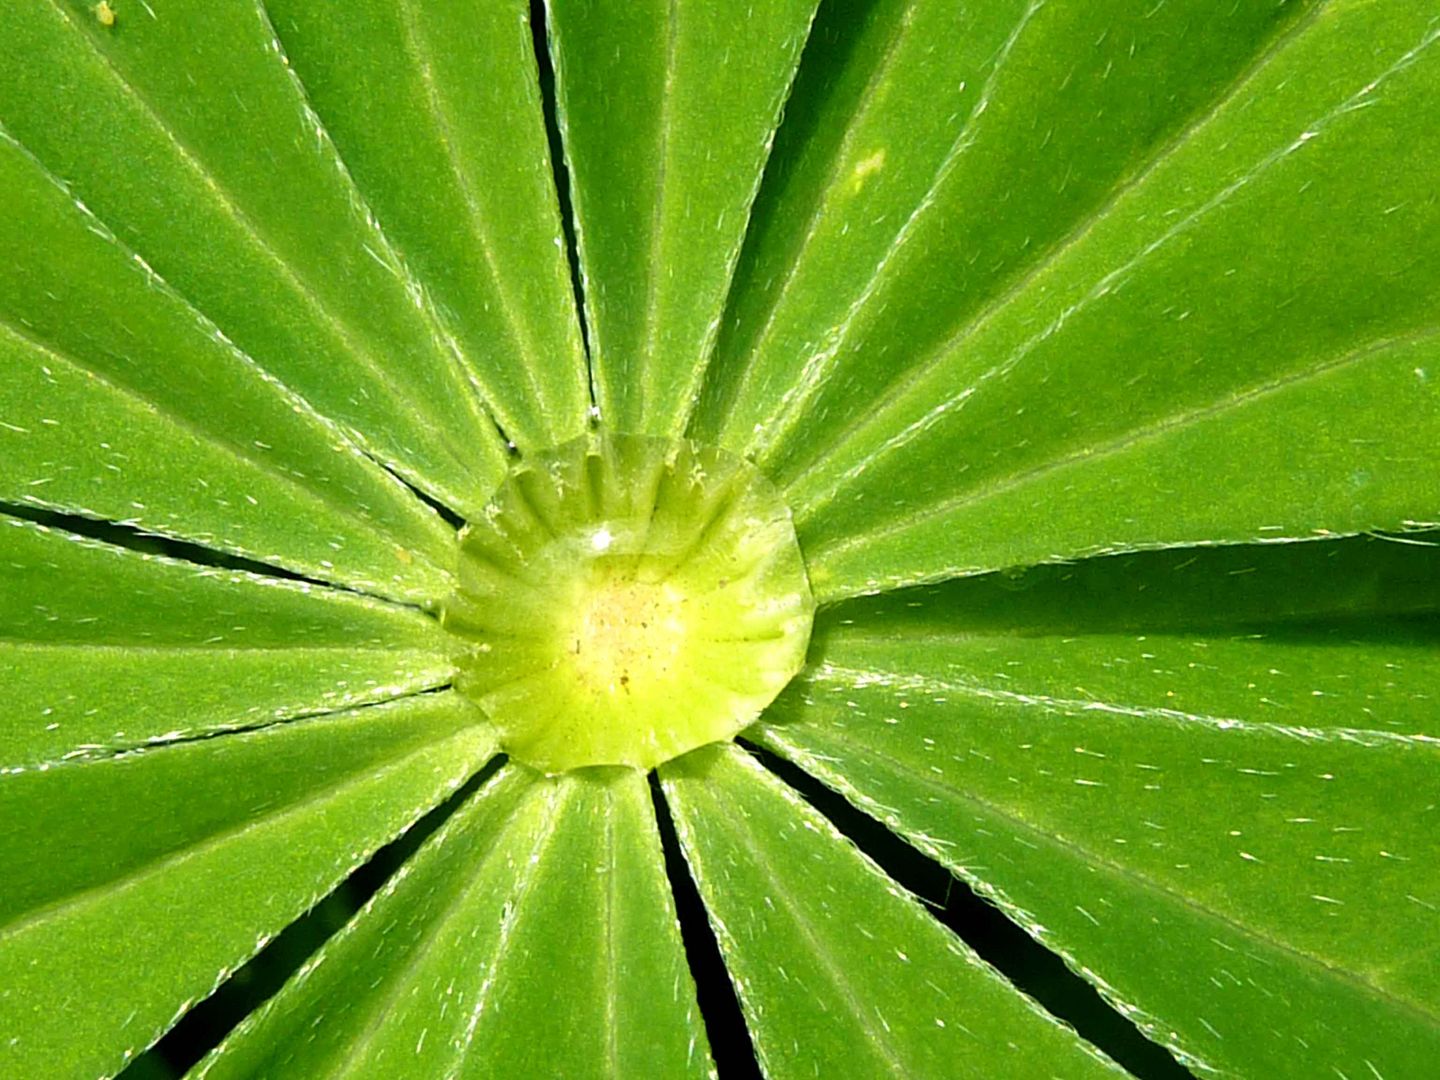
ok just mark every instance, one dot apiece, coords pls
pixel 865 168
pixel 104 13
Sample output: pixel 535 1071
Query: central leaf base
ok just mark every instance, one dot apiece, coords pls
pixel 629 599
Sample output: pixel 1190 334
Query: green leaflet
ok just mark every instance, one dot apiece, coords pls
pixel 1255 808
pixel 242 834
pixel 448 144
pixel 1243 270
pixel 93 419
pixel 933 180
pixel 1020 285
pixel 187 133
pixel 667 109
pixel 818 940
pixel 554 893
pixel 845 191
pixel 87 631
pixel 1326 439
pixel 1217 591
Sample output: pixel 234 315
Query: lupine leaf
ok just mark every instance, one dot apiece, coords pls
pixel 102 648
pixel 223 455
pixel 1252 808
pixel 186 132
pixel 667 110
pixel 932 180
pixel 1326 440
pixel 1229 312
pixel 1056 324
pixel 452 135
pixel 534 880
pixel 240 834
pixel 817 939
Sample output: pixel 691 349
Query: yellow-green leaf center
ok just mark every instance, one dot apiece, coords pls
pixel 628 599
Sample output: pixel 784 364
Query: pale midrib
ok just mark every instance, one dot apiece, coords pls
pixel 207 649
pixel 859 680
pixel 530 364
pixel 695 384
pixel 323 425
pixel 436 331
pixel 366 699
pixel 301 490
pixel 739 826
pixel 816 766
pixel 894 395
pixel 611 974
pixel 557 800
pixel 341 332
pixel 648 360
pixel 298 405
pixel 382 1010
pixel 355 927
pixel 791 258
pixel 1102 286
pixel 107 891
pixel 1154 430
pixel 815 373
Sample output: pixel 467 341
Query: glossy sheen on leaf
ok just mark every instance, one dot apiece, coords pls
pixel 1141 291
pixel 959 150
pixel 668 109
pixel 840 972
pixel 1334 459
pixel 1222 315
pixel 883 105
pixel 223 455
pixel 447 141
pixel 242 834
pixel 951 148
pixel 88 630
pixel 248 213
pixel 1255 808
pixel 554 893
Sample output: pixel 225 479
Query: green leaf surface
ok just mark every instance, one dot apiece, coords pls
pixel 532 936
pixel 869 147
pixel 667 109
pixel 93 419
pixel 186 132
pixel 1226 590
pixel 1248 292
pixel 1231 833
pixel 840 971
pixel 1056 326
pixel 928 180
pixel 103 648
pixel 448 143
pixel 240 834
pixel 1326 441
